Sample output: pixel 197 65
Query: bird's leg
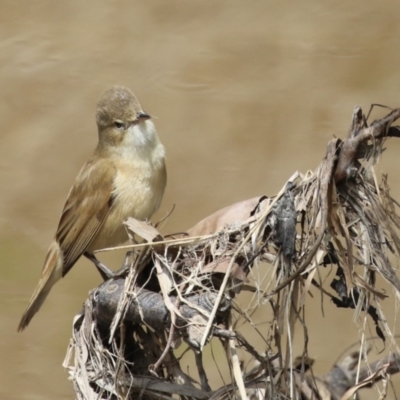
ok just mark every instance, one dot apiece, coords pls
pixel 126 265
pixel 104 271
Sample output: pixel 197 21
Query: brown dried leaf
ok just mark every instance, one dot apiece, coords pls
pixel 222 266
pixel 235 214
pixel 143 229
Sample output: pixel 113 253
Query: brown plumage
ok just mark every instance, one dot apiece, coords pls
pixel 125 176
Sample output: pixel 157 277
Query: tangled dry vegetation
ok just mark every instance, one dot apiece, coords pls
pixel 269 251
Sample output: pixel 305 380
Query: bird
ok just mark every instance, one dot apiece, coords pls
pixel 125 177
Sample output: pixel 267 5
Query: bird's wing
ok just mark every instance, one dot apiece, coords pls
pixel 87 206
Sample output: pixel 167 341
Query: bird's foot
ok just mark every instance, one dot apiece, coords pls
pixel 104 271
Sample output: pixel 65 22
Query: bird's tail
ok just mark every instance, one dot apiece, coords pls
pixel 52 272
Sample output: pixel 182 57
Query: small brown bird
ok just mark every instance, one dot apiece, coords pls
pixel 125 177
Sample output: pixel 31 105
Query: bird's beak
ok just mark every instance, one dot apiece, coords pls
pixel 143 116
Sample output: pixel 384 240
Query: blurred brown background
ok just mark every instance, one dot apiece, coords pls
pixel 245 93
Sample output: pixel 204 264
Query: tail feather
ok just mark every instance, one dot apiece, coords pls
pixel 52 272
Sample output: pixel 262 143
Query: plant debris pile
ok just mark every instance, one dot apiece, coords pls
pixel 209 285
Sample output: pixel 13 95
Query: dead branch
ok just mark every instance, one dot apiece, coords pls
pixel 352 148
pixel 188 288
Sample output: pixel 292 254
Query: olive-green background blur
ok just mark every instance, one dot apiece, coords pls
pixel 244 94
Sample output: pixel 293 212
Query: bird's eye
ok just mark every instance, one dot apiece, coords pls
pixel 119 125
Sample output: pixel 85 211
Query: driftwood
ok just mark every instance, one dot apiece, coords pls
pixel 187 288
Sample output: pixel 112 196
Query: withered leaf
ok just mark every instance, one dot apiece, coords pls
pixel 222 265
pixel 234 214
pixel 143 229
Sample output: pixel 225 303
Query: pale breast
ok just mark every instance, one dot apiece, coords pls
pixel 138 192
